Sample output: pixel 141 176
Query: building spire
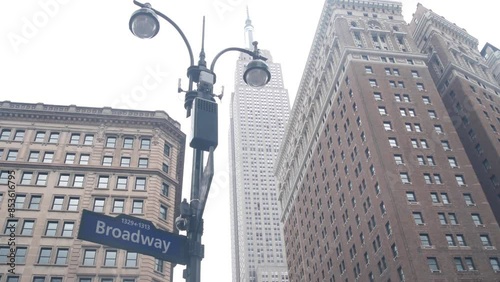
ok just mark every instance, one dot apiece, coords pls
pixel 248 32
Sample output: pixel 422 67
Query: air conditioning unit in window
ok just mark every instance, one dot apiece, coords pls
pixel 436 271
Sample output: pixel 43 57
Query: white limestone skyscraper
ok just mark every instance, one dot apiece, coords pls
pixel 257 123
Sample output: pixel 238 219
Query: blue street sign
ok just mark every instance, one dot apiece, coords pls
pixel 133 234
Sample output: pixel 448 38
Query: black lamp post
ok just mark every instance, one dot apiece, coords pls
pixel 144 24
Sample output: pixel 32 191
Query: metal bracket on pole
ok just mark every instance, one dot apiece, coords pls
pixel 205 181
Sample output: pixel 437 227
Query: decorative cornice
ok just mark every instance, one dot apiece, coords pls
pixel 73 114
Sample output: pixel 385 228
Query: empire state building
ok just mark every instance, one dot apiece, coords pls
pixel 257 122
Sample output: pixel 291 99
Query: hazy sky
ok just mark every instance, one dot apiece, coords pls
pixel 82 53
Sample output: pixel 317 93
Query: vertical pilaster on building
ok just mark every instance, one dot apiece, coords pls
pixel 257 122
pixel 70 158
pixel 375 183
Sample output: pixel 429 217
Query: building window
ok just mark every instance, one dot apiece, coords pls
pixel 438 129
pixel 35 203
pixel 48 157
pixel 446 145
pixel 19 201
pixel 103 181
pixel 163 212
pixel 423 144
pixel 111 142
pixel 19 135
pixel 137 206
pixel 118 205
pixel 410 196
pixel 131 259
pixel 159 265
pixel 57 204
pixel 485 240
pixel 402 111
pixel 145 143
pixel 121 182
pixel 414 74
pixel 368 70
pixel 63 180
pixel 61 256
pixel 27 229
pixel 164 189
pixel 9 224
pixel 166 150
pixel 377 96
pixel 453 162
pixel 107 161
pixel 88 139
pixel 12 155
pixel 460 180
pixel 128 143
pixel 458 264
pixel 450 240
pixel 468 199
pixel 427 178
pixel 51 229
pixel 34 156
pixel 125 162
pixel 26 178
pixel 461 240
pixel 5 135
pixel 110 258
pixel 382 111
pixel 75 138
pixel 39 136
pixel 432 114
pixel 398 159
pixel 404 178
pixel 54 137
pixel 68 229
pixel 44 257
pixel 84 159
pixel 437 178
pixel 453 218
pixel 417 216
pixel 140 183
pixel 420 86
pixel 70 158
pixel 73 203
pixel 78 181
pixel 164 167
pixel 143 163
pixel 89 257
pixel 387 125
pixel 425 240
pixel 476 218
pixel 99 205
pixel 393 142
pixel 433 264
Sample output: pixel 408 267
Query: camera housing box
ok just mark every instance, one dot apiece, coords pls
pixel 204 124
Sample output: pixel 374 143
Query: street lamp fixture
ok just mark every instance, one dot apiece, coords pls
pixel 201 102
pixel 257 73
pixel 144 23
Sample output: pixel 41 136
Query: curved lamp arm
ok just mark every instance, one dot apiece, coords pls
pixel 191 57
pixel 254 54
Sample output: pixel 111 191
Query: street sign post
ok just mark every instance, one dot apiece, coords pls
pixel 133 234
